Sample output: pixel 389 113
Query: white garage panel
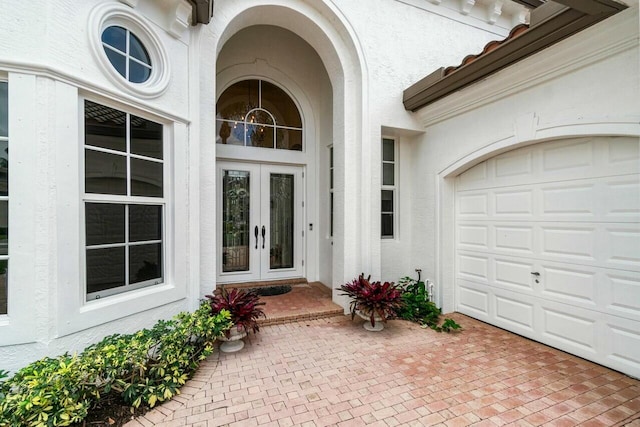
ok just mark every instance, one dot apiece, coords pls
pixel 568 211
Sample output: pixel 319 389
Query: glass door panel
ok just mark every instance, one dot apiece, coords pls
pixel 236 198
pixel 259 222
pixel 238 206
pixel 281 220
pixel 282 213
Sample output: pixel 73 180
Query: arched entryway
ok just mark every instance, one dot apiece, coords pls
pixel 297 49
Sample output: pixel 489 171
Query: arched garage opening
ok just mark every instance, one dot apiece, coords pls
pixel 541 239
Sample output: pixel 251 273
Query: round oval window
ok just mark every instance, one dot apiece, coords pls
pixel 127 54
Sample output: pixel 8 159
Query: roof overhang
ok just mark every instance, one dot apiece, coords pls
pixel 202 11
pixel 550 23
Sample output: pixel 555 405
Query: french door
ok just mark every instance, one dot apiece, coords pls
pixel 259 222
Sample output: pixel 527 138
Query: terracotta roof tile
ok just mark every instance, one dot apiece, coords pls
pixel 492 45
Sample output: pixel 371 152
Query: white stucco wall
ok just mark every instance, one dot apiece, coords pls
pixel 349 64
pixel 402 43
pixel 585 85
pixel 47 58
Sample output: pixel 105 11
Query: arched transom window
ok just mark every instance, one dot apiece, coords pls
pixel 255 113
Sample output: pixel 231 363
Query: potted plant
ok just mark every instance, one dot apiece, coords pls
pixel 245 311
pixel 373 301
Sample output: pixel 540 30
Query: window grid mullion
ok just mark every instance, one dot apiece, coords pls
pixel 126 245
pixel 235 122
pixel 122 153
pixel 137 61
pixel 144 242
pixel 106 246
pixel 126 55
pixel 275 137
pixel 114 49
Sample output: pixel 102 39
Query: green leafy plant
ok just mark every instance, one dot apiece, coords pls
pixel 417 306
pixel 448 325
pixel 3 383
pixel 373 299
pixel 48 392
pixel 244 308
pixel 140 369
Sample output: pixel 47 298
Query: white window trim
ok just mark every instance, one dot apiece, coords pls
pixel 394 188
pixel 75 312
pixel 19 325
pixel 109 14
pixel 5 198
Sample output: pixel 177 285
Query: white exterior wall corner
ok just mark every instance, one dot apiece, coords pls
pixel 202 154
pixel 585 85
pixel 49 68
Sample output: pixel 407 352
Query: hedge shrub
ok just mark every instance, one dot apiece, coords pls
pixel 146 367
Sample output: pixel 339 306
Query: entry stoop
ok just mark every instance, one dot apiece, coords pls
pixel 305 301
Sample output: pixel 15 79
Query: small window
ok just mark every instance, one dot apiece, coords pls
pixel 255 113
pixel 389 188
pixel 4 196
pixel 331 191
pixel 127 54
pixel 128 50
pixel 124 201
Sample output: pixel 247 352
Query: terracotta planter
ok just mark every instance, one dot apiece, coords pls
pixel 234 342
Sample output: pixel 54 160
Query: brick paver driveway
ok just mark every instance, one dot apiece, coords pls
pixel 333 372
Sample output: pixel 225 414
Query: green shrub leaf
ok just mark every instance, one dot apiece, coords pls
pixel 61 391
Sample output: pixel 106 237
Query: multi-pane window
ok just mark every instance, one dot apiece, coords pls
pixel 127 54
pixel 124 201
pixel 331 191
pixel 255 113
pixel 389 188
pixel 4 195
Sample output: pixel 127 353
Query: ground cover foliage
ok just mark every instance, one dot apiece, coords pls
pixel 140 369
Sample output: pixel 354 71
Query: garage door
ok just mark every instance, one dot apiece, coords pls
pixel 548 246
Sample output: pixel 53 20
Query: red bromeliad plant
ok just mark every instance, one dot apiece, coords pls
pixel 373 299
pixel 243 306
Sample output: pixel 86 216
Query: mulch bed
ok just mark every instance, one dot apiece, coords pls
pixel 111 412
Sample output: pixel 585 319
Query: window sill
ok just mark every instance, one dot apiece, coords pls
pixel 85 315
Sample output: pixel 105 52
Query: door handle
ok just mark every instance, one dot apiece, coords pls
pixel 264 232
pixel 535 273
pixel 255 232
